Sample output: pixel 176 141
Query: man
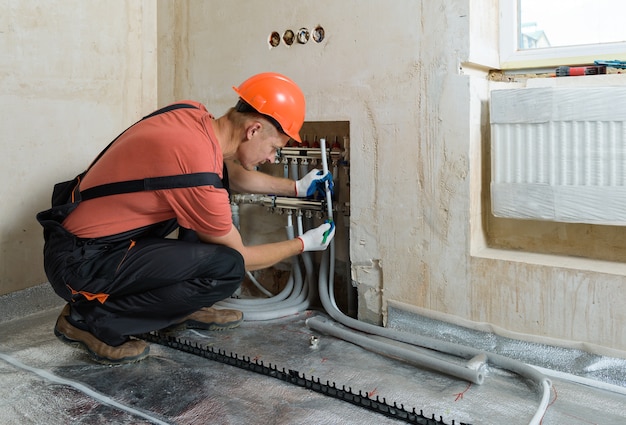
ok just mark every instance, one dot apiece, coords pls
pixel 110 257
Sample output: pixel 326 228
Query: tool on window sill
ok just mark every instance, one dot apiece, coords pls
pixel 570 71
pixel 612 64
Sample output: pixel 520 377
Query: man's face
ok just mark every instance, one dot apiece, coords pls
pixel 261 147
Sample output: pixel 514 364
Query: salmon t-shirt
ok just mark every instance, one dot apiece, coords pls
pixel 181 141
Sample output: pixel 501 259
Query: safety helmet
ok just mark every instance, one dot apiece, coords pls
pixel 276 97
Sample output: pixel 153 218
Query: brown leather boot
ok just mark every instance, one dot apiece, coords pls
pixel 212 319
pixel 129 352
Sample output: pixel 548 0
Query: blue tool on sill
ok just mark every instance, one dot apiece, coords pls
pixel 611 63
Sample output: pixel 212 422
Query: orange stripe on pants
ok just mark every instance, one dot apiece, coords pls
pixel 90 297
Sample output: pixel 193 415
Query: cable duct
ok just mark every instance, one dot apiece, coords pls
pixel 420 351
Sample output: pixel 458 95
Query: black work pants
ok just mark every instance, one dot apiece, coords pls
pixel 118 288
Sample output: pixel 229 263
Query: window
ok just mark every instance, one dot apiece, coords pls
pixel 540 33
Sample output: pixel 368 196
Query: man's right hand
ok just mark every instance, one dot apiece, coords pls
pixel 319 238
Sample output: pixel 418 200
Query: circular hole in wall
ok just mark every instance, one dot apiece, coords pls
pixel 274 39
pixel 318 34
pixel 288 37
pixel 303 35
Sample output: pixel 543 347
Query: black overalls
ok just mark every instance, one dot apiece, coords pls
pixel 137 281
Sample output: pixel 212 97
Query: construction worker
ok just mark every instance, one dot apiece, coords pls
pixel 112 256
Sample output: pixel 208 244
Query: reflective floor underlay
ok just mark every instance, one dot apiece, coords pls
pixel 43 381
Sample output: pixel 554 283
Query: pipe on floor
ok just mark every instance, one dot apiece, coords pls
pixel 328 302
pixel 104 399
pixel 540 380
pixel 324 326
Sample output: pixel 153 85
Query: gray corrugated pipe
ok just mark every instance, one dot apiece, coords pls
pixel 234 208
pixel 297 295
pixel 414 357
pixel 409 355
pixel 299 298
pixel 420 358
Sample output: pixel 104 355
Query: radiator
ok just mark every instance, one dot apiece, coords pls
pixel 559 154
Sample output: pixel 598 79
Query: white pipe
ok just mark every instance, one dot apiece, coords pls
pixel 298 299
pixel 297 302
pixel 293 285
pixel 329 199
pixel 308 263
pixel 234 208
pixel 235 215
pixel 293 166
pixel 254 312
pixel 285 168
pixel 322 325
pixel 82 388
pixel 304 167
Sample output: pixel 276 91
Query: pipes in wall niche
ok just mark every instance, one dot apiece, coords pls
pixel 299 292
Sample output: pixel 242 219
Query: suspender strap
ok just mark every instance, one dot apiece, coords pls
pixel 158 112
pixel 152 183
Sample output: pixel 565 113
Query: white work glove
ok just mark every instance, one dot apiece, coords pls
pixel 313 182
pixel 318 239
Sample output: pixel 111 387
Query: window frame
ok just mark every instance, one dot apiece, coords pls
pixel 511 57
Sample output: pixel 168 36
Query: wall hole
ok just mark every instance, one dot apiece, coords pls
pixel 318 34
pixel 274 39
pixel 303 35
pixel 288 37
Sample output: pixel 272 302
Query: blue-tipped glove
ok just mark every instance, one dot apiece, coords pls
pixel 313 182
pixel 319 238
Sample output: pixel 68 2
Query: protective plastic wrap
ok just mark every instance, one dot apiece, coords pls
pixel 559 154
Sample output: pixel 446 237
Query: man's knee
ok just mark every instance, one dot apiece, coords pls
pixel 230 264
pixel 238 265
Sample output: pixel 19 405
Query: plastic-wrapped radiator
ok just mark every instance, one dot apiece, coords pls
pixel 559 154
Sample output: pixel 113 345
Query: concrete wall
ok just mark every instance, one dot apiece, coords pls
pixel 410 77
pixel 73 74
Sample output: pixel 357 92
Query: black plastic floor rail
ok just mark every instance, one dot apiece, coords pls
pixel 294 377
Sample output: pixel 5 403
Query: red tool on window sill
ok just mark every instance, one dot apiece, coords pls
pixel 570 71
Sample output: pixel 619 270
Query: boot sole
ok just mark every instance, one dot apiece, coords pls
pixel 95 357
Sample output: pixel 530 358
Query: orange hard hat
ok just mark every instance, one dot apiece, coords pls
pixel 277 97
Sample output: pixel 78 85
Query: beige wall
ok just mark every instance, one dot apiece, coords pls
pixel 72 75
pixel 410 77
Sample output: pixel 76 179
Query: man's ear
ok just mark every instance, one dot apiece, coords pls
pixel 253 129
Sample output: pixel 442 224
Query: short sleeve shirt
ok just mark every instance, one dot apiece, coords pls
pixel 181 141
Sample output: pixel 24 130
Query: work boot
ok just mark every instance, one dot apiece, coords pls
pixel 211 319
pixel 129 352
